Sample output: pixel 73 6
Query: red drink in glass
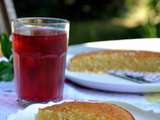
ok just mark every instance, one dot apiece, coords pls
pixel 39 64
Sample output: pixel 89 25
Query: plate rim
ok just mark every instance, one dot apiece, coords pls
pixel 148 87
pixel 124 105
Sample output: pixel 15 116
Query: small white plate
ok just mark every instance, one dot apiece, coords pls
pixel 30 112
pixel 108 82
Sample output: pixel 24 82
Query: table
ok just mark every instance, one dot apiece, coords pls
pixel 8 96
pixel 9 105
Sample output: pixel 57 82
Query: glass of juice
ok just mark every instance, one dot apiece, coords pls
pixel 39 50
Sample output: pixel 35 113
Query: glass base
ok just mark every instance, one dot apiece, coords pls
pixel 25 103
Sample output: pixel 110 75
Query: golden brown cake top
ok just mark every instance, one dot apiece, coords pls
pixel 105 60
pixel 107 110
pixel 135 53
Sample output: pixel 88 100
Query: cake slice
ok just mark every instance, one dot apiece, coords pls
pixel 84 111
pixel 105 60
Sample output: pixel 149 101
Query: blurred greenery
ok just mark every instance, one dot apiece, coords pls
pixel 93 20
pixel 6 46
pixel 101 30
pixel 6 64
pixel 76 10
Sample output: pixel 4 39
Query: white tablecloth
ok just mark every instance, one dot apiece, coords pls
pixel 9 105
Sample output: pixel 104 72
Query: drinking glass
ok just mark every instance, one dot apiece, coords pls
pixel 39 50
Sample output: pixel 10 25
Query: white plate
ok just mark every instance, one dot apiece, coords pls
pixel 108 82
pixel 30 112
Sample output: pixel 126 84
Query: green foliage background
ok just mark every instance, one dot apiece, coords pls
pixel 91 20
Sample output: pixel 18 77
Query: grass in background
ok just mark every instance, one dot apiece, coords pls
pixel 89 31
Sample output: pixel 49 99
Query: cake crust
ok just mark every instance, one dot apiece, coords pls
pixel 84 111
pixel 105 60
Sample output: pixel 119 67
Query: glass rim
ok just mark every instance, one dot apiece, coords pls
pixel 51 19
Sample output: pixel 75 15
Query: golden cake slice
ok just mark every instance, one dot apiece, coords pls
pixel 84 111
pixel 102 61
